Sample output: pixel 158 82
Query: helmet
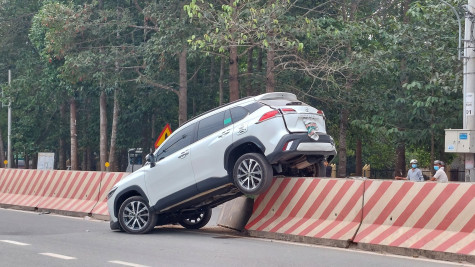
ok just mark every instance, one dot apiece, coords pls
pixel 413 161
pixel 436 162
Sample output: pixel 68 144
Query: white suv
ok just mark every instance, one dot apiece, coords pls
pixel 232 150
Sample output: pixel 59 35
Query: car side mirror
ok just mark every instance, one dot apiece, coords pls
pixel 150 158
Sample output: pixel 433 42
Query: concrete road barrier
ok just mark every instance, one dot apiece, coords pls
pixel 236 213
pixel 71 191
pixel 22 188
pixel 108 180
pixel 76 193
pixel 422 216
pixel 324 211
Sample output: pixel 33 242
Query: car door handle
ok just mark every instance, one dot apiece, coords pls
pixel 224 133
pixel 184 154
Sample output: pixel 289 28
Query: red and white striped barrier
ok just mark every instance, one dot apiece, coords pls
pixel 309 207
pixel 107 182
pixel 23 188
pixel 73 191
pixel 427 216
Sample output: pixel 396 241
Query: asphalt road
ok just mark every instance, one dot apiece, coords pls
pixel 32 239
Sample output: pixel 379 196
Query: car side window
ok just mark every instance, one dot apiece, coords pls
pixel 176 142
pixel 238 113
pixel 211 125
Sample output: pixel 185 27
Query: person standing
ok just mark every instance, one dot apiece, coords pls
pixel 440 175
pixel 414 174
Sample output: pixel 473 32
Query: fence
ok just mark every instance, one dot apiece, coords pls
pixel 454 175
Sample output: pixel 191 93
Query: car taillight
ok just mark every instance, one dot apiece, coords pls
pixel 288 110
pixel 269 115
pixel 320 112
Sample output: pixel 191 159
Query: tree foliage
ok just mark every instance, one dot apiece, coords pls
pixel 385 72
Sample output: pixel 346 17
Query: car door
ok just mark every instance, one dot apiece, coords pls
pixel 172 180
pixel 214 135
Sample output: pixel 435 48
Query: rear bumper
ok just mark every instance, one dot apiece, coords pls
pixel 301 144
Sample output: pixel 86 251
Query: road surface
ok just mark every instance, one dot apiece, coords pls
pixel 33 239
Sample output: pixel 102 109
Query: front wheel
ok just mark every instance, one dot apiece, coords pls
pixel 252 174
pixel 196 220
pixel 135 216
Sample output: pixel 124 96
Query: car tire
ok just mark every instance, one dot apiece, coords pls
pixel 196 220
pixel 136 217
pixel 252 174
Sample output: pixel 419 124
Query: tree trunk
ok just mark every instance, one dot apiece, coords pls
pixel 270 77
pixel 249 90
pixel 221 81
pixel 2 151
pixel 115 120
pixel 35 161
pixel 103 130
pixel 74 136
pixel 27 161
pixel 233 74
pixel 359 162
pixel 62 145
pixel 182 94
pixel 400 159
pixel 342 143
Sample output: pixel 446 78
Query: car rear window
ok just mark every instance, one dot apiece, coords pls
pixel 238 113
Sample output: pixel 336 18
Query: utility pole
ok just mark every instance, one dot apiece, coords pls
pixel 469 90
pixel 9 156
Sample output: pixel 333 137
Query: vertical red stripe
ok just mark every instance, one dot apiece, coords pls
pixel 19 191
pixel 449 217
pixel 427 216
pixel 262 196
pixel 76 175
pixel 19 181
pixel 357 197
pixel 269 204
pixel 344 212
pixel 313 208
pixel 94 184
pixel 329 209
pixel 308 192
pixel 58 189
pixel 10 181
pixel 468 249
pixel 29 188
pixel 390 206
pixel 285 203
pixel 401 220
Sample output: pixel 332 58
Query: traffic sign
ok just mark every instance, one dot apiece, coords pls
pixel 107 164
pixel 163 135
pixel 5 162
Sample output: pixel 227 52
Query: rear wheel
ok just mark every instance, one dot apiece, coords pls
pixel 136 217
pixel 252 174
pixel 196 220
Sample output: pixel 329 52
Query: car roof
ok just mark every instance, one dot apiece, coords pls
pixel 262 97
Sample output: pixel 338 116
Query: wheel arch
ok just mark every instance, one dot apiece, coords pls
pixel 241 147
pixel 127 193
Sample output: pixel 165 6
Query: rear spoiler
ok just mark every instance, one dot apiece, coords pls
pixel 277 95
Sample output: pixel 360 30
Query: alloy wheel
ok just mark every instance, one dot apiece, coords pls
pixel 136 215
pixel 249 174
